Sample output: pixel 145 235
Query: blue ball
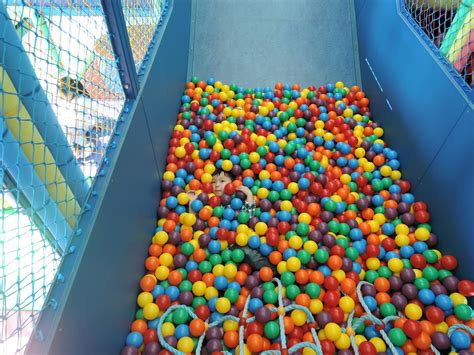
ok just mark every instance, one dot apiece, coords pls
pixel 197 205
pixel 134 339
pixel 426 296
pixel 444 302
pixel 171 202
pixel 214 247
pixel 370 302
pixel 304 183
pixel 220 282
pixel 236 205
pixel 356 234
pixel 254 304
pixel 181 331
pixel 460 340
pixel 254 242
pixel 172 292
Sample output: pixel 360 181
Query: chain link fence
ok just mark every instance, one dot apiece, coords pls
pixel 449 24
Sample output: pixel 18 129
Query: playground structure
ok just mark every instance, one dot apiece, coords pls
pixel 122 100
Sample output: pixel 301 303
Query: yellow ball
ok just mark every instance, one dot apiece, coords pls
pixel 254 157
pixel 262 193
pixel 402 239
pixel 293 187
pixel 206 177
pixel 246 350
pixel 347 304
pixel 442 327
pixel 242 239
pixel 293 264
pixel 373 263
pixel 230 325
pixel 360 152
pixel 160 238
pixel 332 331
pixel 261 140
pixel 264 174
pixel 230 270
pixel 144 298
pixel 189 219
pixel 348 112
pixel 458 298
pixel 180 152
pixel 185 344
pixel 304 218
pixel 261 228
pixel 379 344
pixel 316 306
pixel 209 169
pixel 166 259
pixel 282 267
pixel 211 292
pixel 227 165
pixel 402 229
pixel 286 206
pixel 308 351
pixel 167 329
pixel 422 234
pixel 395 265
pixel 298 317
pixel 199 288
pixel 222 305
pixel 344 342
pixel 169 176
pixel 413 311
pixel 218 270
pixel 162 272
pixel 310 246
pixel 295 242
pixel 151 311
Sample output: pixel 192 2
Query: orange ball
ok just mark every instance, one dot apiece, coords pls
pixel 382 284
pixel 175 278
pixel 422 341
pixel 348 285
pixel 231 339
pixel 255 343
pixel 197 327
pixel 148 283
pixel 139 325
pixel 335 262
pixel 266 274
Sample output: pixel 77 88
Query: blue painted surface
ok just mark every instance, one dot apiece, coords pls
pixel 15 62
pixel 118 35
pixel 258 43
pixel 101 275
pixel 424 111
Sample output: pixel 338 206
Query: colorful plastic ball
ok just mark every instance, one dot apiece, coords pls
pixel 223 305
pixel 271 330
pixel 397 336
pixel 134 339
pixel 460 340
pixel 185 345
pixel 332 331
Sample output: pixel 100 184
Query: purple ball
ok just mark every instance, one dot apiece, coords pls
pixel 234 311
pixel 199 225
pixel 407 275
pixel 129 350
pixel 395 283
pixel 225 199
pixel 203 197
pixel 171 340
pixel 323 318
pixel 441 341
pixel 236 170
pixel 190 167
pixel 265 204
pixel 166 185
pixel 408 219
pixel 399 301
pixel 176 190
pixel 257 292
pixel 273 222
pixel 251 282
pixel 263 315
pixel 163 211
pixel 174 238
pixel 432 240
pixel 180 260
pixel 316 236
pixel 329 240
pixel 438 289
pixel 368 290
pixel 214 333
pixel 403 207
pixel 204 240
pixel 186 298
pixel 152 348
pixel 451 283
pixel 347 264
pixel 213 345
pixel 410 291
pixel 326 216
pixel 391 213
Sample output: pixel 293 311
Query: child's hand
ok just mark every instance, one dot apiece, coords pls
pixel 192 196
pixel 248 194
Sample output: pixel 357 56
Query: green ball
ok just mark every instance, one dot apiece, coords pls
pixel 197 301
pixel 183 272
pixel 225 154
pixel 302 229
pixel 215 259
pixel 185 285
pixel 443 273
pixel 384 272
pixel 291 127
pixel 180 316
pixel 211 140
pixel 313 290
pixel 139 314
pixel 268 286
pixel 165 284
pixel 186 115
pixel 289 148
pixel 352 253
pixel 330 205
pixel 344 242
pixel 314 165
pixel 430 273
pixel 284 117
pixel 205 266
pixel 371 276
pixel 360 326
pixel 271 330
pixel 238 256
pixel 388 309
pixel 245 163
pixel 226 255
pixel 262 151
pixel 270 297
pixel 292 291
pixel 243 217
pixel 421 283
pixel 287 278
pixel 321 256
pixel 397 336
pixel 194 79
pixel 285 195
pixel 377 185
pixel 273 196
pixel 187 249
pixel 231 294
pixel 463 312
pixel 431 256
pixel 223 135
pixel 344 228
pixel 218 211
pixel 304 256
pixel 334 226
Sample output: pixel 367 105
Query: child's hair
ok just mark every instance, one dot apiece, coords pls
pixel 70 88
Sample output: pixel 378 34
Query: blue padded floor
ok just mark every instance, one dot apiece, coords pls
pixel 256 43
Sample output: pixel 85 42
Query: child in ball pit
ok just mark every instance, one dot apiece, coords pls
pixel 220 179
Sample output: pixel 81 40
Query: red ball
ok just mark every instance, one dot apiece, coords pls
pixel 367 348
pixel 255 328
pixel 434 314
pixel 418 261
pixel 466 288
pixel 422 216
pixel 229 189
pixel 372 251
pixel 337 315
pixel 194 276
pixel 202 311
pixel 149 336
pixel 412 328
pixel 328 347
pixel 163 302
pixel 449 262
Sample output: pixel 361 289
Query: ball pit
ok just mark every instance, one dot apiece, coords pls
pixel 310 186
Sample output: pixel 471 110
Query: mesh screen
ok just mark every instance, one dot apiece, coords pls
pixel 450 25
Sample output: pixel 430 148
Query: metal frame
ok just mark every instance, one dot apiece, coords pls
pixel 468 91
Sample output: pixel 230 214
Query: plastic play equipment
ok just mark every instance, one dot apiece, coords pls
pixel 425 115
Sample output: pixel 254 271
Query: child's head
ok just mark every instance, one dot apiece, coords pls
pixel 219 180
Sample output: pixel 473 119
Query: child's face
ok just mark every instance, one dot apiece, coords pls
pixel 218 183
